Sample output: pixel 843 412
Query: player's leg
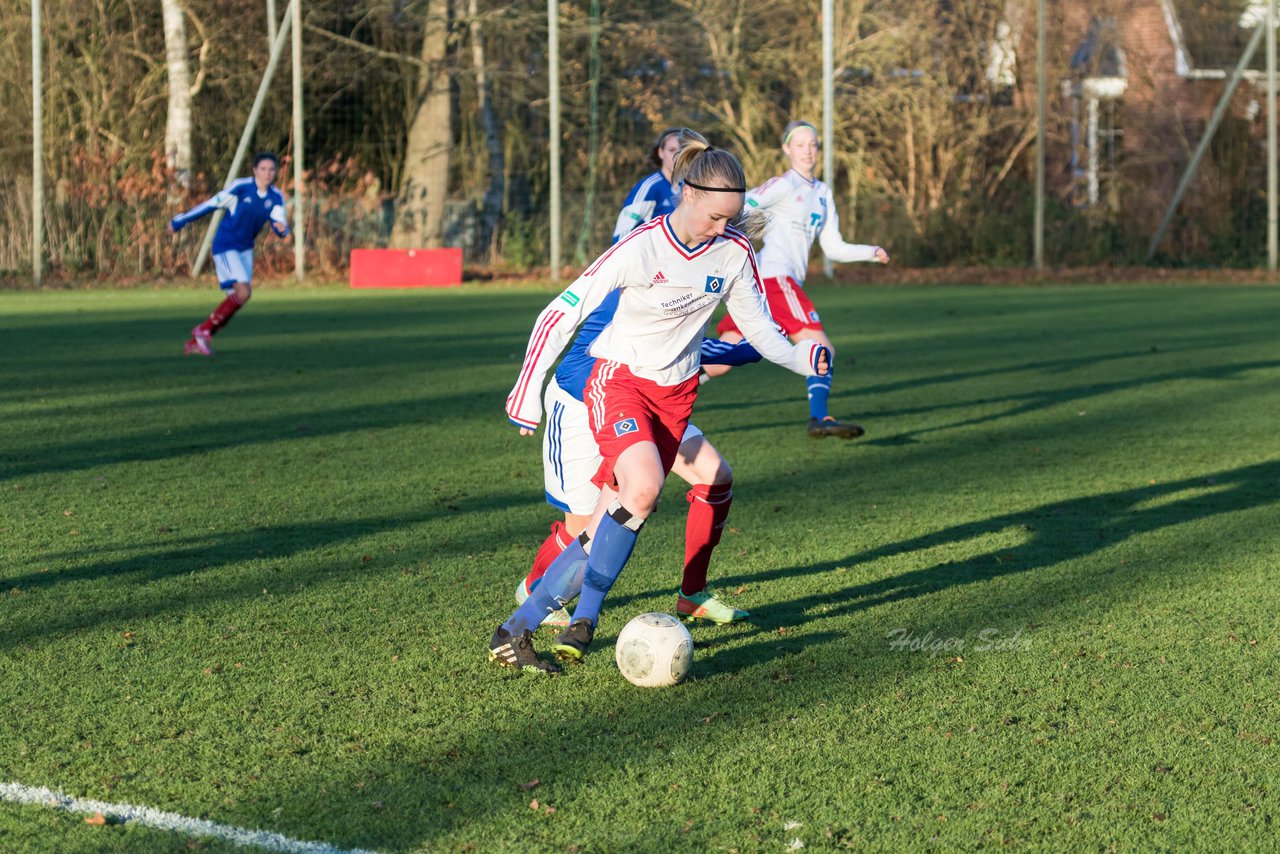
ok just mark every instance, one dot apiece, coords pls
pixel 711 479
pixel 512 642
pixel 235 272
pixel 562 534
pixel 797 317
pixel 570 459
pixel 638 439
pixel 821 422
pixel 640 473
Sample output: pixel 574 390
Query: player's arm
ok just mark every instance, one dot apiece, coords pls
pixel 636 209
pixel 552 332
pixel 834 247
pixel 717 352
pixel 226 200
pixel 746 301
pixel 279 219
pixel 767 193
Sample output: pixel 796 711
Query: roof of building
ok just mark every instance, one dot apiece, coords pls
pixel 1214 33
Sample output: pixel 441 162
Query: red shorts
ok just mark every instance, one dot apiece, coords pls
pixel 792 310
pixel 625 409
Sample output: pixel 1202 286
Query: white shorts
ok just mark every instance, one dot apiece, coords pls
pixel 570 457
pixel 233 267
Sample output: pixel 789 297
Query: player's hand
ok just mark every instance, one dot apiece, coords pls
pixel 525 431
pixel 172 230
pixel 823 360
pixel 880 256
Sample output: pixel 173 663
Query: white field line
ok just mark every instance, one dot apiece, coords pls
pixel 122 813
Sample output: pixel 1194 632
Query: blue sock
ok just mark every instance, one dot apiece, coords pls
pixel 560 583
pixel 819 391
pixel 610 549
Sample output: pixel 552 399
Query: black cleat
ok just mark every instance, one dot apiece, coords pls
pixel 573 641
pixel 518 653
pixel 820 428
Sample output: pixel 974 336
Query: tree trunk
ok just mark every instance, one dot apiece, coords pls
pixel 177 131
pixel 492 213
pixel 425 182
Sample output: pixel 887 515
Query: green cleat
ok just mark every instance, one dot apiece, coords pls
pixel 707 606
pixel 558 618
pixel 573 641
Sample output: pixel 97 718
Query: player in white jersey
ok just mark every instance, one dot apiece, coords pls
pixel 570 457
pixel 672 273
pixel 801 210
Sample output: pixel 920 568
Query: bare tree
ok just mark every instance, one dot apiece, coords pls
pixel 492 212
pixel 425 181
pixel 177 130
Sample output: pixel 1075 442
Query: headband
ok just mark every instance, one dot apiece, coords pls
pixel 689 183
pixel 787 138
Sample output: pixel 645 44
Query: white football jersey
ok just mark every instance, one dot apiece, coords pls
pixel 800 210
pixel 668 292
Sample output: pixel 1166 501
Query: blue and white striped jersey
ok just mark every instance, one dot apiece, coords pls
pixel 652 197
pixel 248 210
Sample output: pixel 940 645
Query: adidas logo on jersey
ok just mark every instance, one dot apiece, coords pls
pixel 659 279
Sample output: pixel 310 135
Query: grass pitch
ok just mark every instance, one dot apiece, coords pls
pixel 1034 608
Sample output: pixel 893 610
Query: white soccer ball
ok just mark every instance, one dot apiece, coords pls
pixel 654 651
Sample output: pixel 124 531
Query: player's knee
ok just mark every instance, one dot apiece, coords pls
pixel 641 498
pixel 723 475
pixel 243 291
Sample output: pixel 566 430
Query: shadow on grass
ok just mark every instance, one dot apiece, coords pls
pixel 454 787
pixel 1021 403
pixel 203 560
pixel 214 404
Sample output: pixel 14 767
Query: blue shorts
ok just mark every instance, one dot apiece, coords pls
pixel 233 267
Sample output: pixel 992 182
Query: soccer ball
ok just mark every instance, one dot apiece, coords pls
pixel 654 651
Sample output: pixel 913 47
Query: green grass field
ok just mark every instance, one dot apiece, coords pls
pixel 258 589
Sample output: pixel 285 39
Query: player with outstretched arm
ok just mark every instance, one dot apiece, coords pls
pixel 250 203
pixel 672 273
pixel 801 209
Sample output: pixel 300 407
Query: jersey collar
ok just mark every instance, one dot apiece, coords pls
pixel 809 181
pixel 686 251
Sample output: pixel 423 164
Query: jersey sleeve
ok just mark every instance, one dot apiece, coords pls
pixel 746 301
pixel 717 352
pixel 554 329
pixel 767 193
pixel 638 208
pixel 833 245
pixel 225 200
pixel 280 219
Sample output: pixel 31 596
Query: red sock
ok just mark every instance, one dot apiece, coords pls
pixel 708 511
pixel 557 542
pixel 221 314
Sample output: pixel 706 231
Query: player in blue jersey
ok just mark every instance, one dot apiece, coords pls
pixel 570 457
pixel 653 195
pixel 250 203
